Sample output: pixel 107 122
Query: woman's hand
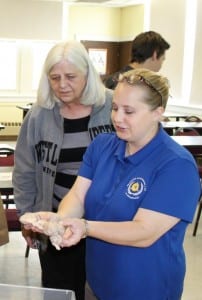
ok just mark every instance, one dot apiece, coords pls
pixel 48 223
pixel 75 231
pixel 34 221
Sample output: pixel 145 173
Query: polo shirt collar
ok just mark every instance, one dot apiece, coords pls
pixel 139 156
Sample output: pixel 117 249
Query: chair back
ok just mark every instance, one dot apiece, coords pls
pixel 6 157
pixel 165 119
pixel 192 119
pixel 190 131
pixel 12 219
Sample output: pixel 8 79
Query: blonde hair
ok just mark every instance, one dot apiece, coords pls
pixel 156 85
pixel 74 52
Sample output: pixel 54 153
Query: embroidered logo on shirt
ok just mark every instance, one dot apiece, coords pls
pixel 135 187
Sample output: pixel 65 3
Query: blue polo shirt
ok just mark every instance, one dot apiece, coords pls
pixel 162 177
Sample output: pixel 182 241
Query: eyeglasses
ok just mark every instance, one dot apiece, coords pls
pixel 134 78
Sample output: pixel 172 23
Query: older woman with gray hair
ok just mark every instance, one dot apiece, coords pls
pixel 72 107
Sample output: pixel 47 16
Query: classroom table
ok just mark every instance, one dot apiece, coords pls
pixel 181 124
pixel 193 144
pixel 6 186
pixel 6 177
pixel 188 141
pixel 9 145
pixel 175 115
pixel 15 292
pixel 25 108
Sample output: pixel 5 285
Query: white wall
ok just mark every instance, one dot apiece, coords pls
pixel 169 18
pixel 29 19
pixel 196 88
pixel 132 22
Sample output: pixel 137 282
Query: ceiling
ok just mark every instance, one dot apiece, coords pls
pixel 112 3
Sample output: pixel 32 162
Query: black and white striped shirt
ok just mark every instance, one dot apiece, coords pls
pixel 76 139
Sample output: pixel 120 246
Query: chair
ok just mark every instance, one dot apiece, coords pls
pixel 6 165
pixel 6 190
pixel 165 119
pixel 186 131
pixel 198 215
pixel 199 210
pixel 195 151
pixel 192 119
pixel 168 130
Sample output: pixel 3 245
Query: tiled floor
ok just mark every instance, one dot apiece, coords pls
pixel 193 249
pixel 16 269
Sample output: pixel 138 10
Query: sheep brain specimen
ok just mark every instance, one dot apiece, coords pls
pixel 53 228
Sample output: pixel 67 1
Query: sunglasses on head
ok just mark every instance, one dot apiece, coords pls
pixel 132 80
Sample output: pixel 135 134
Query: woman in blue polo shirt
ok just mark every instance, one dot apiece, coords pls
pixel 131 191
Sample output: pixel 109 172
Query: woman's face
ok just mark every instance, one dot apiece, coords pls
pixel 67 82
pixel 132 117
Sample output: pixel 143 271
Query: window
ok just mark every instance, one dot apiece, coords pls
pixel 21 64
pixel 39 52
pixel 8 63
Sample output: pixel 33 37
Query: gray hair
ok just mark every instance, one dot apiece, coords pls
pixel 75 53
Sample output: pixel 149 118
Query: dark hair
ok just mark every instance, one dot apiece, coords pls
pixel 144 45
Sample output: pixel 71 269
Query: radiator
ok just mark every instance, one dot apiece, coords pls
pixel 11 128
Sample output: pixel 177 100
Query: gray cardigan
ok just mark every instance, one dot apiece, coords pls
pixel 37 152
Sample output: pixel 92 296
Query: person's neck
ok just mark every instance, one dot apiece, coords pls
pixel 75 110
pixel 136 65
pixel 135 146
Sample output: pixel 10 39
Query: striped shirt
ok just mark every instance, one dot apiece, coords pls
pixel 76 139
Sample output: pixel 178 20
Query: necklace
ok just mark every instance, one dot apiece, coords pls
pixel 128 153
